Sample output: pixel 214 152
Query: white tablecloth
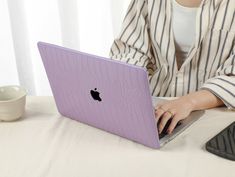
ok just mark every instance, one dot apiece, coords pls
pixel 45 144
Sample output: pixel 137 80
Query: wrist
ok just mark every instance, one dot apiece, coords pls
pixel 191 102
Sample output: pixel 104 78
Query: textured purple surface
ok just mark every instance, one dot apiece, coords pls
pixel 126 108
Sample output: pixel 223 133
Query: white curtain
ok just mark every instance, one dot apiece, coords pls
pixel 85 25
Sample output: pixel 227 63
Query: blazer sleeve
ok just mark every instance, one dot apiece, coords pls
pixel 223 84
pixel 133 45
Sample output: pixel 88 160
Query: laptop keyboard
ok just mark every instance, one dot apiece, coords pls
pixel 162 135
pixel 164 131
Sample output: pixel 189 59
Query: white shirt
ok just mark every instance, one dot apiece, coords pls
pixel 184 28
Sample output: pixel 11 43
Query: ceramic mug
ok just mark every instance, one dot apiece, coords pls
pixel 12 102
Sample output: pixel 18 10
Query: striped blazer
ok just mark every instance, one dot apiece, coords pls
pixel 147 40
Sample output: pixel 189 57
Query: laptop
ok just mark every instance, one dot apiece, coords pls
pixel 110 95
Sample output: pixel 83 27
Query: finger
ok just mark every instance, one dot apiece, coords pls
pixel 158 106
pixel 173 124
pixel 159 113
pixel 164 120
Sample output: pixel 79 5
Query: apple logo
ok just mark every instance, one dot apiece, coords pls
pixel 95 95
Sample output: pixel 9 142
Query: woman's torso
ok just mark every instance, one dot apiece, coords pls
pixel 214 41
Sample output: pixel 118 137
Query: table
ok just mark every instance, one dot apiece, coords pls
pixel 45 144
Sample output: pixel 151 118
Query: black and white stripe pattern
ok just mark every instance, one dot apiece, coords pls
pixel 147 40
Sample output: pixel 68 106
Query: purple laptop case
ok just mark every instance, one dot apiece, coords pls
pixel 126 107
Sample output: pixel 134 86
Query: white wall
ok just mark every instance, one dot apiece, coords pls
pixel 86 25
pixel 8 72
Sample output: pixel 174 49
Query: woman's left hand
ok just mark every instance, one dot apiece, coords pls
pixel 177 109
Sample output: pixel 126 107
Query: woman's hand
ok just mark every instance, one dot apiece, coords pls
pixel 177 109
pixel 180 108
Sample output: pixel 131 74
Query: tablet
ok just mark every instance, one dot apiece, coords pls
pixel 223 144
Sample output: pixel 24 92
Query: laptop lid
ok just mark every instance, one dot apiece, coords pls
pixel 106 94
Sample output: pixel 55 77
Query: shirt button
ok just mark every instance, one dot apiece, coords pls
pixel 179 74
pixel 201 71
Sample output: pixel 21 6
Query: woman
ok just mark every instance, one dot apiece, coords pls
pixel 188 49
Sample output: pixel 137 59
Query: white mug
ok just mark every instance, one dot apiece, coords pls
pixel 12 102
